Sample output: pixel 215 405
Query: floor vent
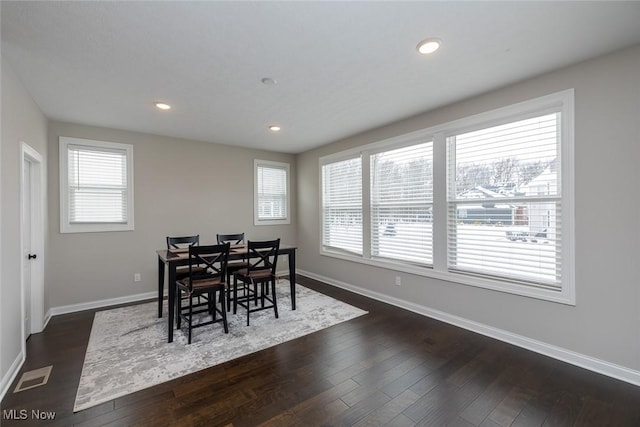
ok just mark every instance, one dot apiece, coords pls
pixel 34 378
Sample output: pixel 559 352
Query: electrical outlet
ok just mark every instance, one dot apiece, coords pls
pixel 136 277
pixel 398 280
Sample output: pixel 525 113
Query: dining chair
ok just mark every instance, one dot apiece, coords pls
pixel 208 282
pixel 261 272
pixel 182 243
pixel 232 266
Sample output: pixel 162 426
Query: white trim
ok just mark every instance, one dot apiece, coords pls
pixel 578 359
pixel 37 225
pixel 275 165
pixel 72 308
pixel 11 374
pixel 65 226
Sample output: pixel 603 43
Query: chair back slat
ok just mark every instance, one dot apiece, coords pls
pixel 178 242
pixel 234 239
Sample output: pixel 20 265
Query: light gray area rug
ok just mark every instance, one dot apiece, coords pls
pixel 128 349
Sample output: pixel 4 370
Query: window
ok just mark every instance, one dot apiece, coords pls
pixel 271 197
pixel 484 201
pixel 401 202
pixel 342 206
pixel 96 186
pixel 505 201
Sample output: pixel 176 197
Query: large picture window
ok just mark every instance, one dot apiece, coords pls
pixel 96 186
pixel 485 201
pixel 505 201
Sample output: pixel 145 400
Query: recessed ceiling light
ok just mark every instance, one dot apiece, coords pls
pixel 162 106
pixel 274 128
pixel 429 45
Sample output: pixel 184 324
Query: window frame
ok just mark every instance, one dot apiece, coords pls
pixel 334 251
pixel 257 163
pixel 561 101
pixel 65 225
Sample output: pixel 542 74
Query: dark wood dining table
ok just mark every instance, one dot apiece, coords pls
pixel 171 259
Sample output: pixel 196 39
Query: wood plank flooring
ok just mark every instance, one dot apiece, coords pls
pixel 388 368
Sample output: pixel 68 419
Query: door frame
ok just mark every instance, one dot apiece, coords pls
pixel 37 204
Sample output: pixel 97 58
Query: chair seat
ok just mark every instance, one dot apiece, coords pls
pixel 255 274
pixel 202 284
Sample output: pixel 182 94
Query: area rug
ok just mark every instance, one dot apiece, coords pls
pixel 128 349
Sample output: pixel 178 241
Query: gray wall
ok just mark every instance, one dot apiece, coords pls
pixel 605 323
pixel 181 187
pixel 22 121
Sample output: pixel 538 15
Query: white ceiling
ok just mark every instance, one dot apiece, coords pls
pixel 341 67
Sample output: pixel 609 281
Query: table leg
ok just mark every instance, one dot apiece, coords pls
pixel 160 285
pixel 171 283
pixel 292 278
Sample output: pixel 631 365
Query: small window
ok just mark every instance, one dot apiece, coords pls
pixel 96 186
pixel 271 198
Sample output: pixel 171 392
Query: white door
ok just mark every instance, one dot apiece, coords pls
pixel 32 240
pixel 26 247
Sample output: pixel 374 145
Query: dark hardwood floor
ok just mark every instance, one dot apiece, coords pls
pixel 390 367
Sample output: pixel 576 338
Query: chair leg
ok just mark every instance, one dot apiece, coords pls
pixel 190 316
pixel 255 293
pixel 228 291
pixel 179 309
pixel 235 294
pixel 262 292
pixel 248 302
pixel 224 312
pixel 273 295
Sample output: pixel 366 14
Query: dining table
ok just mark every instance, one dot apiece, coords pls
pixel 170 259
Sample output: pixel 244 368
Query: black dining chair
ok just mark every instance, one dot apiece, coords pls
pixel 233 266
pixel 260 272
pixel 208 282
pixel 183 243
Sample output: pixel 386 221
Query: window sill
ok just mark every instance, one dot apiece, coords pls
pixel 515 288
pixel 95 228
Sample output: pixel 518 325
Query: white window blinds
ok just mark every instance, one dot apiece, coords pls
pixel 342 205
pixel 97 185
pixel 401 204
pixel 504 202
pixel 272 198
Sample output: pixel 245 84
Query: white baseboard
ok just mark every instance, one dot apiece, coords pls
pixel 72 308
pixel 11 374
pixel 593 364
